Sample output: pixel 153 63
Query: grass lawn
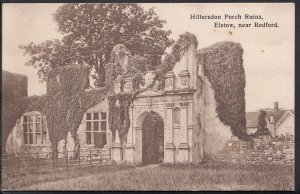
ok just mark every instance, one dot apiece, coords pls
pixel 208 176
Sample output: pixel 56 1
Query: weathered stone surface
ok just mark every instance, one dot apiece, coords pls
pixel 14 140
pixel 261 150
pixel 116 152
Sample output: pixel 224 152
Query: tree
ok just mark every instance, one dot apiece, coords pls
pixel 90 31
pixel 262 128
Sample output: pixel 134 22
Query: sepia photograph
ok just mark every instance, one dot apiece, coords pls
pixel 148 97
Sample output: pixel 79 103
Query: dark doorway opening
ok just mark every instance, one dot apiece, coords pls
pixel 153 139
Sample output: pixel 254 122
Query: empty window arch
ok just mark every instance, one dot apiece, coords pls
pixel 176 116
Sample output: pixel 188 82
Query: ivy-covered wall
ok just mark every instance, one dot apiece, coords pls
pixel 179 48
pixel 15 102
pixel 223 66
pixel 63 105
pixel 14 88
pixel 67 98
pixel 123 65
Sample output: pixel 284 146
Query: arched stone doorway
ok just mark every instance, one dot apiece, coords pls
pixel 152 139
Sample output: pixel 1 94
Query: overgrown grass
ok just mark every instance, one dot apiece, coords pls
pixel 209 176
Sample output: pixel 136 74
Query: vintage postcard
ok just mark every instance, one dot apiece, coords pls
pixel 148 96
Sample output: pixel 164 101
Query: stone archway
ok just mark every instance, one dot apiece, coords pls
pixel 149 138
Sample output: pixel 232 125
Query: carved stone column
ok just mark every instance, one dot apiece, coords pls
pixel 129 148
pixel 138 151
pixel 183 155
pixel 169 147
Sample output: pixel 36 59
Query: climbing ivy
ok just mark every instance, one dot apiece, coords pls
pixel 67 98
pixel 14 85
pixel 178 49
pixel 135 68
pixel 15 88
pixel 137 65
pixel 223 66
pixel 118 117
pixel 64 104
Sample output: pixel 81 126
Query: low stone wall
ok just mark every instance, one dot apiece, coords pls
pixel 31 150
pixel 263 149
pixel 45 152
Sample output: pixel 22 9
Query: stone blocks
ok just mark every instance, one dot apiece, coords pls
pixel 183 153
pixel 169 153
pixel 129 153
pixel 116 152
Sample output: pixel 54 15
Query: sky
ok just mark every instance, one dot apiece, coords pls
pixel 268 52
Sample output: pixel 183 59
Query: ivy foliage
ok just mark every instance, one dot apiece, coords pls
pixel 118 118
pixel 134 67
pixel 64 104
pixel 178 50
pixel 223 66
pixel 15 88
pixel 67 100
pixel 14 85
pixel 15 101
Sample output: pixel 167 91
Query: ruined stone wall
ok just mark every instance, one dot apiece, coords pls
pixel 14 87
pixel 216 134
pixel 100 107
pixel 209 130
pixel 14 143
pixel 261 150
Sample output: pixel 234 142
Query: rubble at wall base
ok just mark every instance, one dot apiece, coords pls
pixel 263 149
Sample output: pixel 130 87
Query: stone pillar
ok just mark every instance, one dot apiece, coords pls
pixel 116 149
pixel 138 151
pixel 129 148
pixel 183 155
pixel 169 147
